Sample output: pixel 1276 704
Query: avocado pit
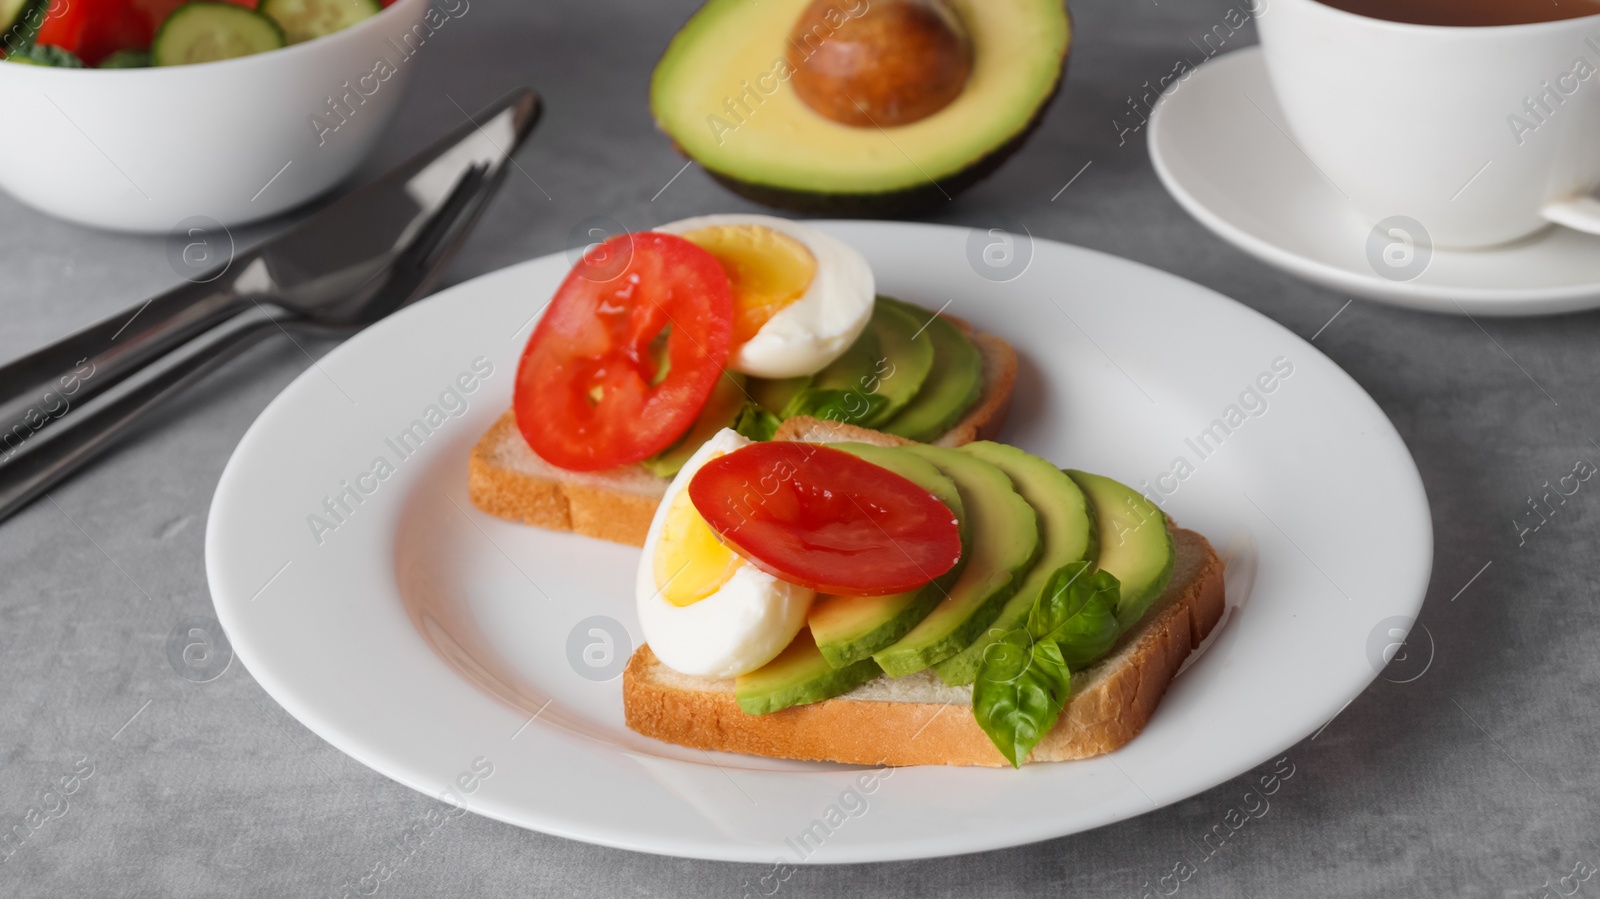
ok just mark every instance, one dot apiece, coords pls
pixel 892 63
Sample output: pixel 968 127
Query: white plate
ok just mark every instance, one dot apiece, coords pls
pixel 422 635
pixel 1219 143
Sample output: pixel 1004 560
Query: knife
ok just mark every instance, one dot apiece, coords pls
pixel 365 255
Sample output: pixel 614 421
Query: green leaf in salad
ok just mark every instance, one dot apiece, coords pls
pixel 127 59
pixel 1021 688
pixel 756 423
pixel 1077 610
pixel 45 55
pixel 845 406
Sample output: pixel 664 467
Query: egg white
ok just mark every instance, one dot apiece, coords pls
pixel 803 337
pixel 739 628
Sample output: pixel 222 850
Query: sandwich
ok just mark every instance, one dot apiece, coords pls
pixel 839 594
pixel 657 341
pixel 840 563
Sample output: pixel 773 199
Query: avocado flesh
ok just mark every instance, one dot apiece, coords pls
pixel 905 361
pixel 854 373
pixel 720 411
pixel 799 675
pixel 721 92
pixel 1066 534
pixel 1135 542
pixel 895 361
pixel 773 394
pixel 954 384
pixel 848 629
pixel 1005 542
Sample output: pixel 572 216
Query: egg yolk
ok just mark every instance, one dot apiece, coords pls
pixel 691 563
pixel 767 271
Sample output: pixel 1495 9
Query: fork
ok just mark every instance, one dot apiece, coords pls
pixel 191 331
pixel 359 255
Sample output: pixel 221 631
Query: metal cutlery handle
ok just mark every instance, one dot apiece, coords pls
pixel 36 390
pixel 79 438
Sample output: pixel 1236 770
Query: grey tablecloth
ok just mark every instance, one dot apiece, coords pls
pixel 1479 777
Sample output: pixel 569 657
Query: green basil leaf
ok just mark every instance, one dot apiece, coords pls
pixel 1078 611
pixel 846 406
pixel 1021 687
pixel 756 423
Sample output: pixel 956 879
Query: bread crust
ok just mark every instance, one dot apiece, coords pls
pixel 507 480
pixel 1110 704
pixel 500 482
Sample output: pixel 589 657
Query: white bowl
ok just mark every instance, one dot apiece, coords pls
pixel 236 140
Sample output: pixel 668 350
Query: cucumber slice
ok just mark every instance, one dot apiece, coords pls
pixel 11 12
pixel 206 32
pixel 303 20
pixel 126 59
pixel 20 20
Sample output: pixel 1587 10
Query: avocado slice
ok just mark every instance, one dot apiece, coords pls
pixel 851 628
pixel 1066 534
pixel 953 385
pixel 851 379
pixel 884 369
pixel 722 92
pixel 1005 542
pixel 1135 542
pixel 799 675
pixel 720 411
pixel 905 361
pixel 774 394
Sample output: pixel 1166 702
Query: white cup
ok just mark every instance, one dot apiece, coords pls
pixel 1483 134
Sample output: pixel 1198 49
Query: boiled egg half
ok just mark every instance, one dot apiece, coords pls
pixel 704 609
pixel 800 297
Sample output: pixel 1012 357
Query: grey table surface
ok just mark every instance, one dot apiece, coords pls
pixel 1476 778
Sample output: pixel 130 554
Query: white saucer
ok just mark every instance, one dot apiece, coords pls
pixel 1219 144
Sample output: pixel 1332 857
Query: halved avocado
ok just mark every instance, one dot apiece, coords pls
pixel 723 93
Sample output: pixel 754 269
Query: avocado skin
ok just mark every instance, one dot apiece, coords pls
pixel 912 201
pixel 908 202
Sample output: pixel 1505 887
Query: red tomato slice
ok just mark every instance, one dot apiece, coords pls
pixel 825 519
pixel 95 29
pixel 627 354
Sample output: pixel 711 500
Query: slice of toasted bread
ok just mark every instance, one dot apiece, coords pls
pixel 508 480
pixel 919 720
